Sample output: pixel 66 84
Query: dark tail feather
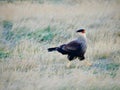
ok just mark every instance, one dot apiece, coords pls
pixel 52 49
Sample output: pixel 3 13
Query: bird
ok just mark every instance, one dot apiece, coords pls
pixel 73 49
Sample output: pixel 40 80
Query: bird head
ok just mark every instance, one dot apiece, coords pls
pixel 82 32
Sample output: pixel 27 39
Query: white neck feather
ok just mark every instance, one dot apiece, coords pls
pixel 83 35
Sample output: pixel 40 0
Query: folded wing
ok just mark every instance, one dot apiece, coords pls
pixel 75 47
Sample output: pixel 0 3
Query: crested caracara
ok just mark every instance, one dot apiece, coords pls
pixel 74 49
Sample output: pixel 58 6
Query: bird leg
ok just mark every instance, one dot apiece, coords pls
pixel 68 64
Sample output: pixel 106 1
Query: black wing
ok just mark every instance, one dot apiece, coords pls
pixel 75 47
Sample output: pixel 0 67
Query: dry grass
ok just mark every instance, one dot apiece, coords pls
pixel 25 63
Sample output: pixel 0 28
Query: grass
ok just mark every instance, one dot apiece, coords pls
pixel 4 54
pixel 27 32
pixel 42 35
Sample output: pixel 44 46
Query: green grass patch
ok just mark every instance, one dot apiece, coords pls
pixel 9 36
pixel 112 66
pixel 16 35
pixel 7 24
pixel 109 69
pixel 20 33
pixel 4 54
pixel 42 35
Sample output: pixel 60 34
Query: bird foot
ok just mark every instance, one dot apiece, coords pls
pixel 68 64
pixel 87 63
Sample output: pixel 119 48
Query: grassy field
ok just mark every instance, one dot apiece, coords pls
pixel 27 29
